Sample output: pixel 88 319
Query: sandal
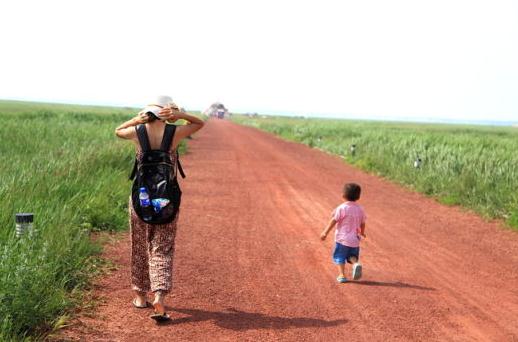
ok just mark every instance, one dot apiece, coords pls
pixel 145 306
pixel 160 315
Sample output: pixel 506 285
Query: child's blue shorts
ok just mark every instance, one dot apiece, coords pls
pixel 342 253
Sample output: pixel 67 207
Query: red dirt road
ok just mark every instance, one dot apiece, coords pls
pixel 249 264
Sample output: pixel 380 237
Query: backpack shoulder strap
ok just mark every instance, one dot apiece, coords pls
pixel 168 137
pixel 134 171
pixel 179 165
pixel 167 140
pixel 143 138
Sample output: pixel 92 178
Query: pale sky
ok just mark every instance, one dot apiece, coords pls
pixel 421 59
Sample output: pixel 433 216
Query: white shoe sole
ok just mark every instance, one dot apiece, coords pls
pixel 357 271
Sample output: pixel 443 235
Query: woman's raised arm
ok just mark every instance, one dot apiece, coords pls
pixel 184 131
pixel 126 131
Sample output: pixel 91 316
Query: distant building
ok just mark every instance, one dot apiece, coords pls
pixel 217 110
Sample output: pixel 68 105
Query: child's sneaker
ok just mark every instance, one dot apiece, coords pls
pixel 341 279
pixel 357 271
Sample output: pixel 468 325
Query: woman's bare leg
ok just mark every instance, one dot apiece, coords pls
pixel 140 298
pixel 159 297
pixel 158 302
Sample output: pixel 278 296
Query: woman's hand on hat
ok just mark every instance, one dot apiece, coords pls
pixel 170 114
pixel 141 118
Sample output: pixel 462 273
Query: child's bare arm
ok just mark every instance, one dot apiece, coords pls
pixel 362 229
pixel 326 231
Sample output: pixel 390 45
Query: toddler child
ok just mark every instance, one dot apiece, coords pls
pixel 349 218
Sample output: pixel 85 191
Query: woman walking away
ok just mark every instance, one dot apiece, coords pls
pixel 153 220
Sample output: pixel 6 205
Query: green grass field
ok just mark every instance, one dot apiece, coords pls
pixel 472 166
pixel 64 164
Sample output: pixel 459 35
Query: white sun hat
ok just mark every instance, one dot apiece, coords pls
pixel 160 102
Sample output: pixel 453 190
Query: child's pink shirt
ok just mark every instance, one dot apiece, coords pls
pixel 348 216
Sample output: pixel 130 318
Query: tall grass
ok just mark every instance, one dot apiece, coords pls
pixel 64 164
pixel 472 166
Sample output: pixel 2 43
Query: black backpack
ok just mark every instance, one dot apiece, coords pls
pixel 157 173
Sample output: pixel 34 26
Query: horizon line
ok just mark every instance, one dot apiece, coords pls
pixel 341 116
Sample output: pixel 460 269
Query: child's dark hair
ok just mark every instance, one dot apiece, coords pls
pixel 352 191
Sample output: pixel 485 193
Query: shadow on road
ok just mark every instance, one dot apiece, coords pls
pixel 393 284
pixel 240 320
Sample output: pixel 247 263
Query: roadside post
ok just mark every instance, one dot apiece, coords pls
pixel 24 223
pixel 417 162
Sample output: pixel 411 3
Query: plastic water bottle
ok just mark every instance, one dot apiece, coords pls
pixel 144 198
pixel 145 203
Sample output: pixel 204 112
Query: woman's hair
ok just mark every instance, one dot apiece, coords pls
pixel 352 191
pixel 151 117
pixel 148 116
